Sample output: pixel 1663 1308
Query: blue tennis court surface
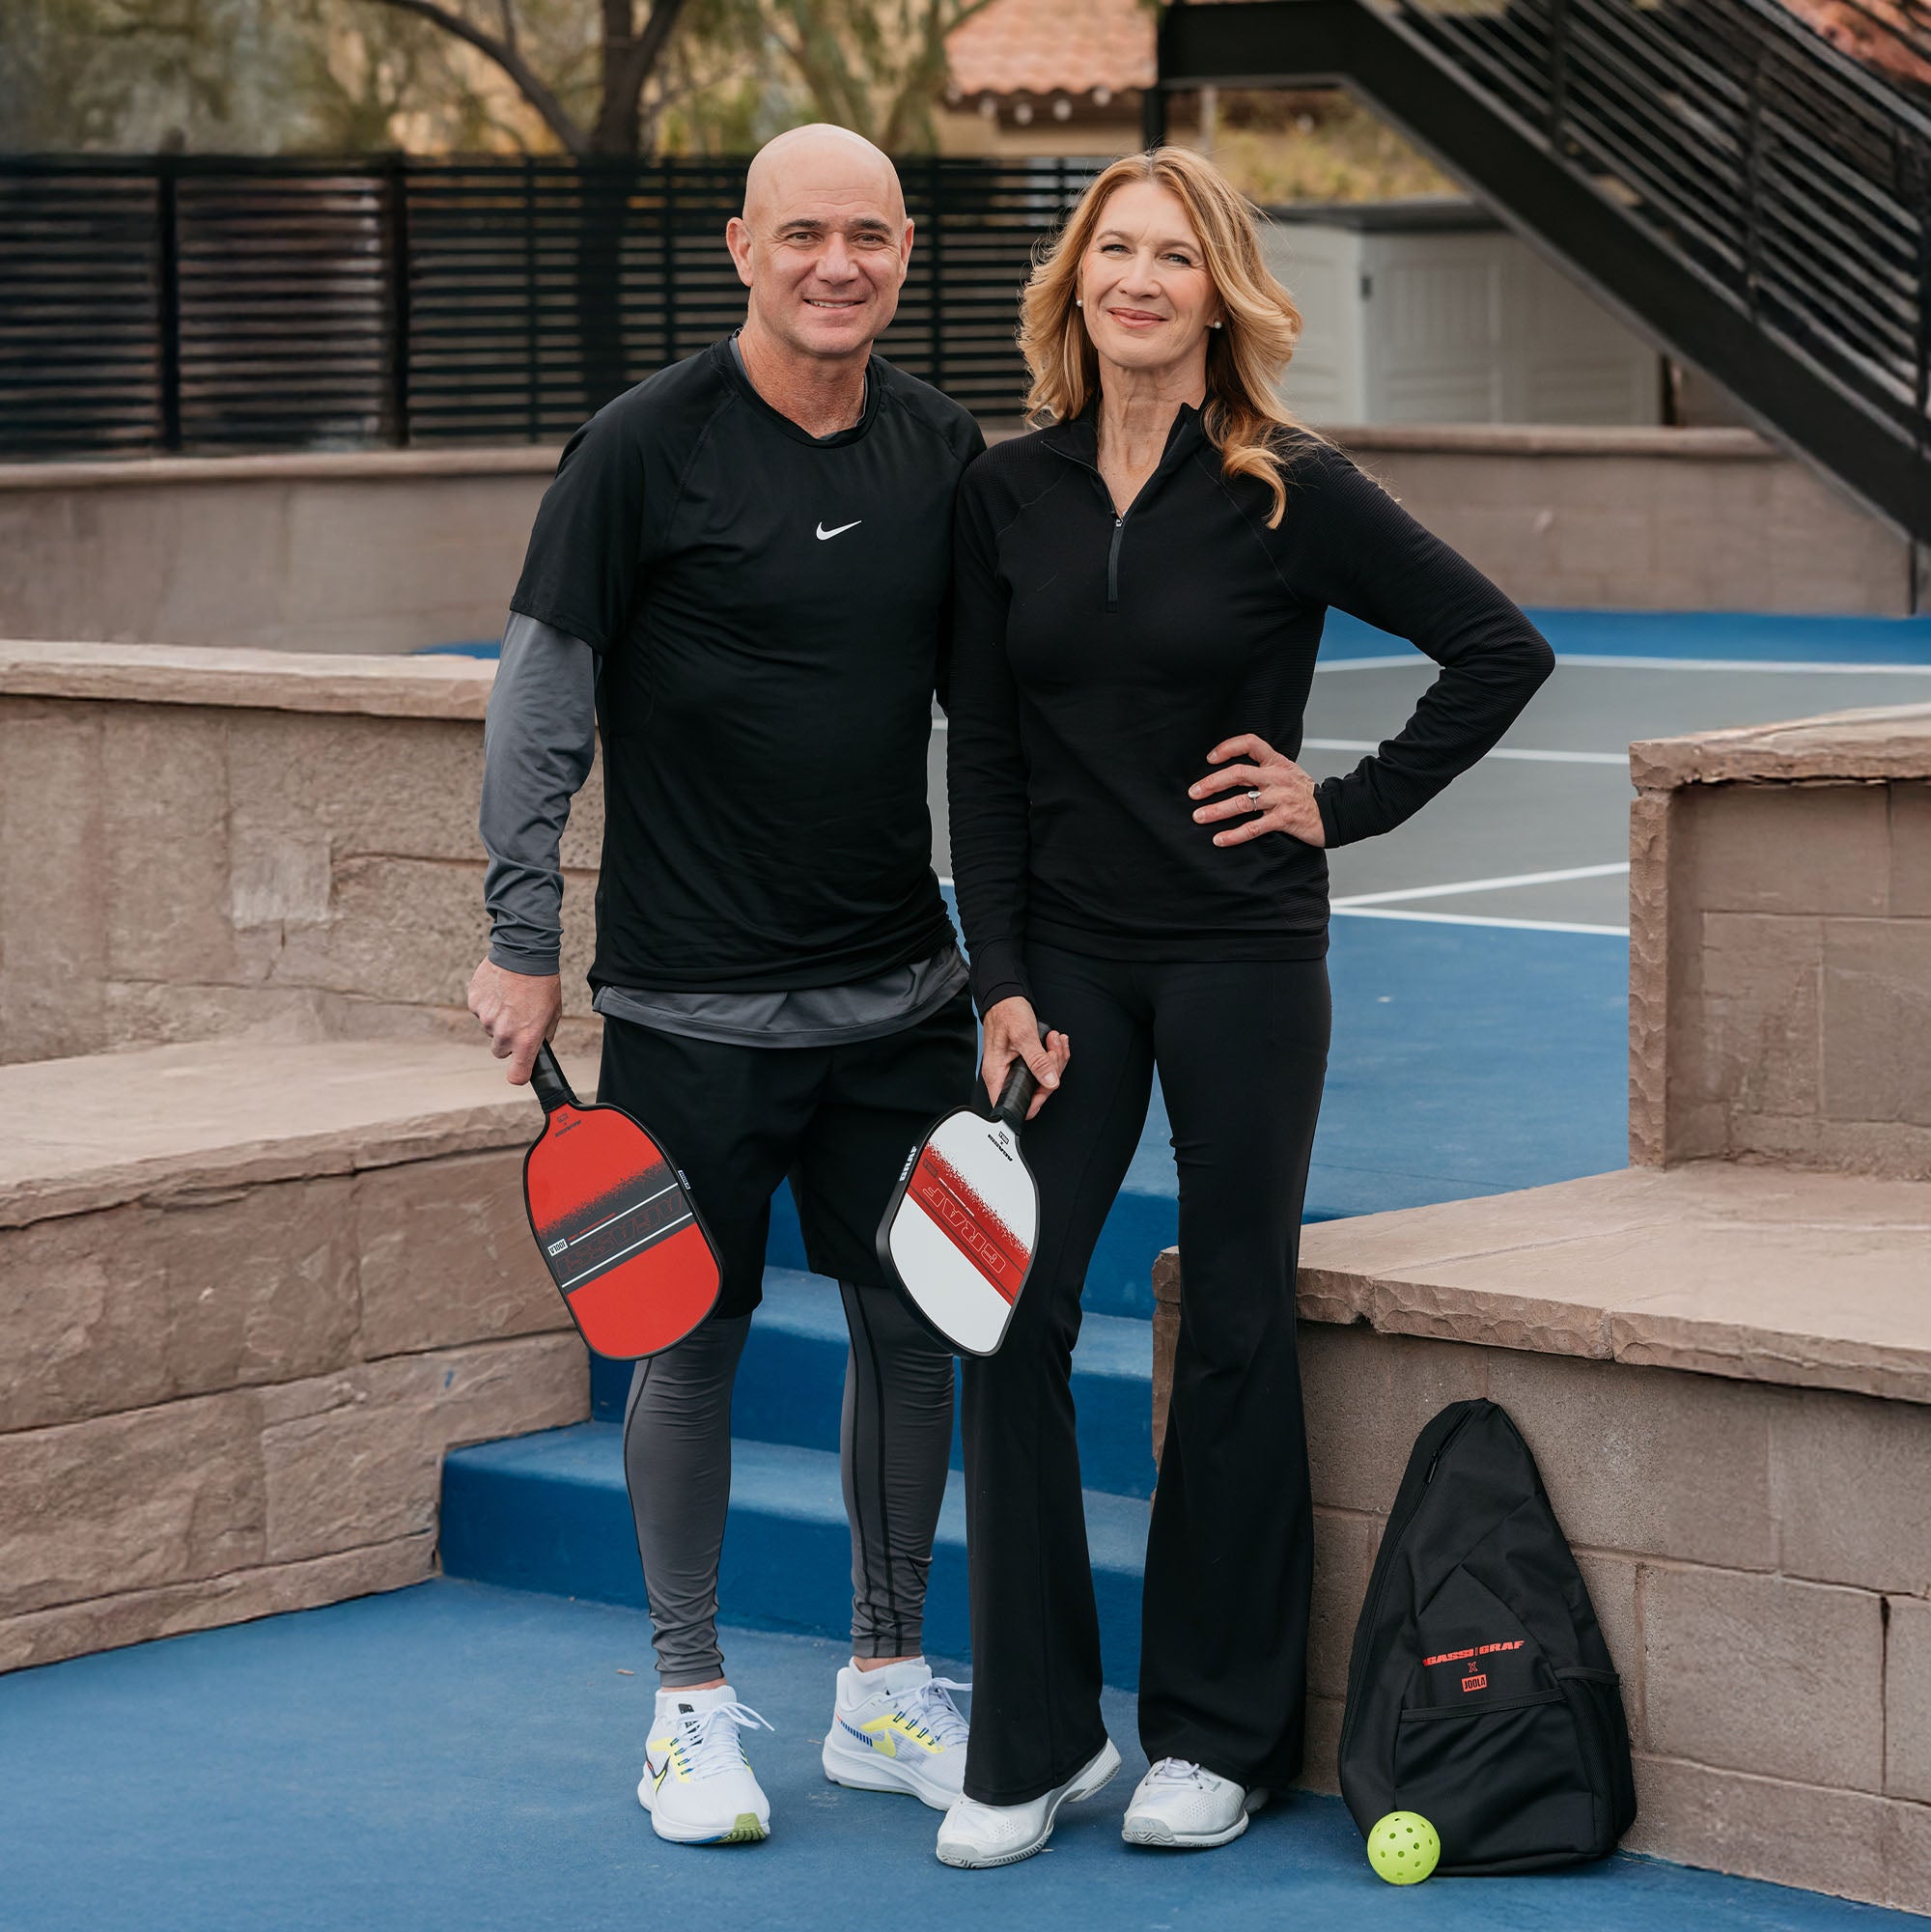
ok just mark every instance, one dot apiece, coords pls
pixel 1726 636
pixel 459 1757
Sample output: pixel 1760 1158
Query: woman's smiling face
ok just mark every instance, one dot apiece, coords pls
pixel 1147 296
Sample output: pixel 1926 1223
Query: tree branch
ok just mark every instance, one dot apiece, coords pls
pixel 649 45
pixel 964 14
pixel 529 82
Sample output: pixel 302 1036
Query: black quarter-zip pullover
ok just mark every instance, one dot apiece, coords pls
pixel 1099 657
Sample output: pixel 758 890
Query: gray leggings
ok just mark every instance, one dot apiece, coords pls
pixel 894 1441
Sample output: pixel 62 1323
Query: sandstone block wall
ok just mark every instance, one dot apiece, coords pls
pixel 222 1400
pixel 1759 1558
pixel 363 551
pixel 1643 520
pixel 392 550
pixel 1780 947
pixel 196 844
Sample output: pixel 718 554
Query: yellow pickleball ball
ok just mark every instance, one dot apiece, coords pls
pixel 1403 1847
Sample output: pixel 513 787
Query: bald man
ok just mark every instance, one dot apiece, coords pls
pixel 739 574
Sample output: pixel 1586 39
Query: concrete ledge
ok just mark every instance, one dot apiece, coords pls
pixel 103 1130
pixel 1883 742
pixel 390 550
pixel 1626 519
pixel 541 458
pixel 290 680
pixel 1780 944
pixel 250 1294
pixel 293 465
pixel 1756 1273
pixel 1557 439
pixel 384 550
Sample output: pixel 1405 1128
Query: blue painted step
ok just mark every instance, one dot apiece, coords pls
pixel 548 1512
pixel 792 1380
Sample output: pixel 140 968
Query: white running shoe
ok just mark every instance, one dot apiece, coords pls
pixel 898 1729
pixel 697 1783
pixel 978 1834
pixel 1180 1806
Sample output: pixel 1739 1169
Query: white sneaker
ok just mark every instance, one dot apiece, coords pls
pixel 898 1729
pixel 697 1783
pixel 1181 1806
pixel 1001 1834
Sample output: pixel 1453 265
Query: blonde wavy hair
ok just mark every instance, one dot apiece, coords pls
pixel 1244 417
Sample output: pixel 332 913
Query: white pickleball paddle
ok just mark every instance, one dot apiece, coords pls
pixel 959 1233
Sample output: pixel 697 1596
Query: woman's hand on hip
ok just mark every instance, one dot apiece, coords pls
pixel 1269 793
pixel 1012 1033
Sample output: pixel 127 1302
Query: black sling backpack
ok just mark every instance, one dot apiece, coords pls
pixel 1480 1692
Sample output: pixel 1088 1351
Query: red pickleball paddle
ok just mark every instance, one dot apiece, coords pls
pixel 615 1224
pixel 960 1229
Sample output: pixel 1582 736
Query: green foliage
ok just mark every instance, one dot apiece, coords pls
pixel 875 66
pixel 135 75
pixel 1326 145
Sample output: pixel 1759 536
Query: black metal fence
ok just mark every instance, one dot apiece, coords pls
pixel 185 303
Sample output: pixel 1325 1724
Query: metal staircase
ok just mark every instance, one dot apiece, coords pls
pixel 1715 170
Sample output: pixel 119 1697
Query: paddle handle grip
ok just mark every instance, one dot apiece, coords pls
pixel 547 1077
pixel 1015 1096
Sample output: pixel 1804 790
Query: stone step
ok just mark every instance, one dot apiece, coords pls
pixel 791 1378
pixel 548 1512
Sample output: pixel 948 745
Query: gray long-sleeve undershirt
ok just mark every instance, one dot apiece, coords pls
pixel 539 741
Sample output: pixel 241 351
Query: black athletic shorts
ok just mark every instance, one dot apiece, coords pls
pixel 839 1121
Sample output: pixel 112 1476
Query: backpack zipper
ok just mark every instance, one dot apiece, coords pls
pixel 1391 1540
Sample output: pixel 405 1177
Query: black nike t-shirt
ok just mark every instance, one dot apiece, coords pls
pixel 769 609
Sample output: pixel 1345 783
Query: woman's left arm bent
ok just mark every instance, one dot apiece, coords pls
pixel 1356 548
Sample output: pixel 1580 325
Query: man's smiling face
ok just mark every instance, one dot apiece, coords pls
pixel 822 244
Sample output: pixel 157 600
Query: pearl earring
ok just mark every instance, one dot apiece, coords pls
pixel 1213 324
pixel 1079 301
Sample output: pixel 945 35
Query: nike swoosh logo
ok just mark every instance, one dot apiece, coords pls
pixel 823 533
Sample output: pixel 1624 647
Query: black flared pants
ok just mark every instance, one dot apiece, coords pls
pixel 1242 1050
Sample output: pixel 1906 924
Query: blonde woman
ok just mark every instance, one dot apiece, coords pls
pixel 1139 591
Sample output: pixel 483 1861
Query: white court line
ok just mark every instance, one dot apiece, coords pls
pixel 1534 757
pixel 1475 919
pixel 1347 912
pixel 1355 899
pixel 1593 660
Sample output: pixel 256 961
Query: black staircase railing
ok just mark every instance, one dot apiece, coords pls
pixel 1756 199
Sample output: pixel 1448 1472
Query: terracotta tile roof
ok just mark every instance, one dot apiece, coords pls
pixel 1053 46
pixel 1883 33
